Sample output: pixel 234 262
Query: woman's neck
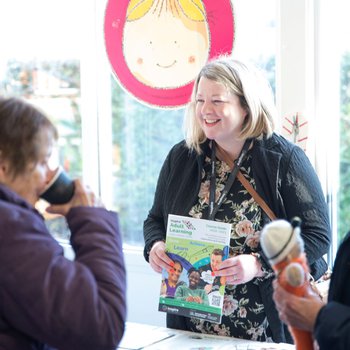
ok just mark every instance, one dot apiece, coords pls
pixel 232 150
pixel 171 283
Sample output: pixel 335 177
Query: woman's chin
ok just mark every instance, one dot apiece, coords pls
pixel 210 135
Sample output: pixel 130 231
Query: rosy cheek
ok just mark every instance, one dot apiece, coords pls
pixel 192 59
pixel 139 60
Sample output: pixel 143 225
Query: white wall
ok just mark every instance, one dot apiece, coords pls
pixel 143 285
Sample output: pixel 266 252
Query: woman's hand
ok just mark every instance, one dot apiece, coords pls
pixel 158 259
pixel 83 197
pixel 240 269
pixel 298 312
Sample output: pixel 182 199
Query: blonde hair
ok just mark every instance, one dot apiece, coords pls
pixel 192 9
pixel 253 90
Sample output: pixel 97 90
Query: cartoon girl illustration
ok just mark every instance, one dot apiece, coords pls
pixel 165 42
pixel 157 47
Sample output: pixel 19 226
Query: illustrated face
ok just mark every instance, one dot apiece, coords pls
pixel 215 261
pixel 144 38
pixel 175 273
pixel 164 51
pixel 219 112
pixel 193 279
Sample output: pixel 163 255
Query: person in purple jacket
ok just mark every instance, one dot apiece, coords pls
pixel 46 300
pixel 169 285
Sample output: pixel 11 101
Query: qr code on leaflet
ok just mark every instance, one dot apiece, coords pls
pixel 215 300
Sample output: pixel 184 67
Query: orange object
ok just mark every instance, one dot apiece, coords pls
pixel 283 245
pixel 303 339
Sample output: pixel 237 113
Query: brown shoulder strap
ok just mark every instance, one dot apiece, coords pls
pixel 224 156
pixel 256 196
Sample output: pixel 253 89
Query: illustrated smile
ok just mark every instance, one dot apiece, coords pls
pixel 166 66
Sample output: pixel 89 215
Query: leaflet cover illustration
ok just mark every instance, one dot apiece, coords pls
pixel 197 248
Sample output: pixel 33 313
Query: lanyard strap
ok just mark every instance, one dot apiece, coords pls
pixel 213 208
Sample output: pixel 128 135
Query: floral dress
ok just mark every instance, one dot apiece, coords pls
pixel 243 310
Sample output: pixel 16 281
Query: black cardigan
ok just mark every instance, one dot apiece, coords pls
pixel 332 329
pixel 284 178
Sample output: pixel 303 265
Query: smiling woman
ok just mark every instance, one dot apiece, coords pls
pixel 232 111
pixel 219 112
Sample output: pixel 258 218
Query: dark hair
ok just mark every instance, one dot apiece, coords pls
pixel 21 126
pixel 218 251
pixel 178 262
pixel 192 269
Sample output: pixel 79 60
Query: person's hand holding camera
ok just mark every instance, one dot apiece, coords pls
pixel 83 197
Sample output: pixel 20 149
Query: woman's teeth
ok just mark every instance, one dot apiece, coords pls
pixel 211 121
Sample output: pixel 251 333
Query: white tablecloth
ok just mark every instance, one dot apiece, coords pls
pixel 141 336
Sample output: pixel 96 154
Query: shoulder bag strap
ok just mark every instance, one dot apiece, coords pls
pixel 223 156
pixel 256 196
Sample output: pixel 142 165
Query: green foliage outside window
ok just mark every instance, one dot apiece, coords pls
pixel 142 137
pixel 344 170
pixel 55 83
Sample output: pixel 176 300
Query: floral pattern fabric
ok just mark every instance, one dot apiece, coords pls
pixel 243 310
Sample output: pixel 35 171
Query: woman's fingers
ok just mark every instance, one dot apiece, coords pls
pixel 158 258
pixel 239 269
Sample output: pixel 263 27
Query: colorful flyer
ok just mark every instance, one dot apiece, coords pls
pixel 197 247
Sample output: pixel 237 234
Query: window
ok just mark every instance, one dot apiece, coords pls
pixel 256 34
pixel 343 216
pixel 142 137
pixel 334 110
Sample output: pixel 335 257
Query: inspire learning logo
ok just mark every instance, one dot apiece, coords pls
pixel 188 224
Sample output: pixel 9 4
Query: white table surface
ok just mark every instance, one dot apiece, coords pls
pixel 140 336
